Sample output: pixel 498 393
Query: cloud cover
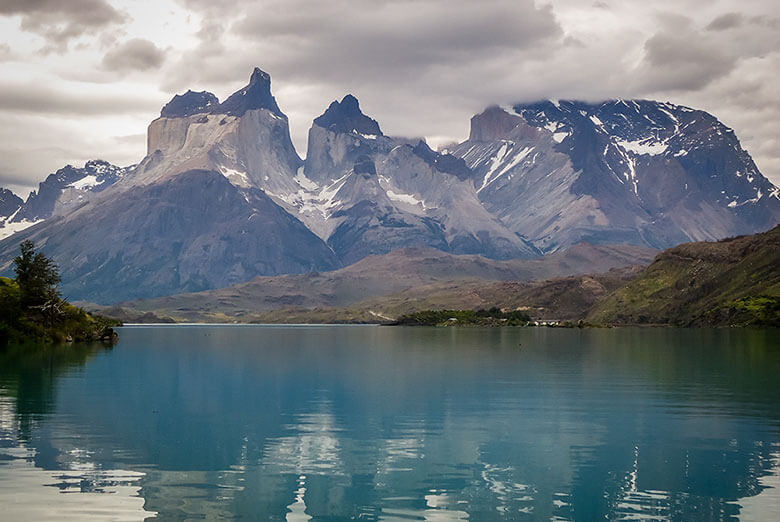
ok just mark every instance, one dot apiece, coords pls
pixel 420 67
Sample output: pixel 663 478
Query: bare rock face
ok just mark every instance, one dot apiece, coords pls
pixel 246 138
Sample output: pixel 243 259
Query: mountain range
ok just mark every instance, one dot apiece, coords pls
pixel 222 196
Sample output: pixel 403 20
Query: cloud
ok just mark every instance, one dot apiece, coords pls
pixel 393 39
pixel 682 57
pixel 682 61
pixel 59 21
pixel 57 142
pixel 6 53
pixel 42 99
pixel 134 55
pixel 726 21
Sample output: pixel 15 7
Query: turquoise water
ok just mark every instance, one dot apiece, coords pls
pixel 390 423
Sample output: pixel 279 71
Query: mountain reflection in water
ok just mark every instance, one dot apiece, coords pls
pixel 377 423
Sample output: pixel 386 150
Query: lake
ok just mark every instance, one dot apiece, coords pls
pixel 322 423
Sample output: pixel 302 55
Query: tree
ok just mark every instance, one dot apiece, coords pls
pixel 38 277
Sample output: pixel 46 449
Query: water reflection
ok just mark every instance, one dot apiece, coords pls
pixel 29 378
pixel 396 424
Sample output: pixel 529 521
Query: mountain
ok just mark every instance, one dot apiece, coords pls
pixel 194 213
pixel 367 193
pixel 10 204
pixel 735 281
pixel 636 172
pixel 59 193
pixel 246 139
pixel 222 196
pixel 373 279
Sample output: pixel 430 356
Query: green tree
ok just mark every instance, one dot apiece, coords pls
pixel 38 277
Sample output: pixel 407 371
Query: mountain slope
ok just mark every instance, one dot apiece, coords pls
pixel 637 172
pixel 192 232
pixel 556 299
pixel 733 281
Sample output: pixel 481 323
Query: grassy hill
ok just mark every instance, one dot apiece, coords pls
pixel 735 282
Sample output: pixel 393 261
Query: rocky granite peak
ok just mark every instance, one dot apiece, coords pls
pixel 256 95
pixel 346 116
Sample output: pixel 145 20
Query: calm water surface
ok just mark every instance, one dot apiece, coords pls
pixel 381 423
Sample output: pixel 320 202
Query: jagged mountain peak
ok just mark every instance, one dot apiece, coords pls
pixel 62 191
pixel 260 76
pixel 255 95
pixel 188 104
pixel 346 116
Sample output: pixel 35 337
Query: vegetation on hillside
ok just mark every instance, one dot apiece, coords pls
pixel 733 282
pixel 491 317
pixel 31 308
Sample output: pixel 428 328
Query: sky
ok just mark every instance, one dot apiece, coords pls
pixel 82 79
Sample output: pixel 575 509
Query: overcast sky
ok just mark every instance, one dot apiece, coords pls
pixel 82 79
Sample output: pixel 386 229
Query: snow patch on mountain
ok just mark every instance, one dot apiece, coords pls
pixel 503 162
pixel 405 198
pixel 8 227
pixel 87 182
pixel 236 177
pixel 644 146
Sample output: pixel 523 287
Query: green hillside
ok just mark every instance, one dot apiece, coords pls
pixel 733 282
